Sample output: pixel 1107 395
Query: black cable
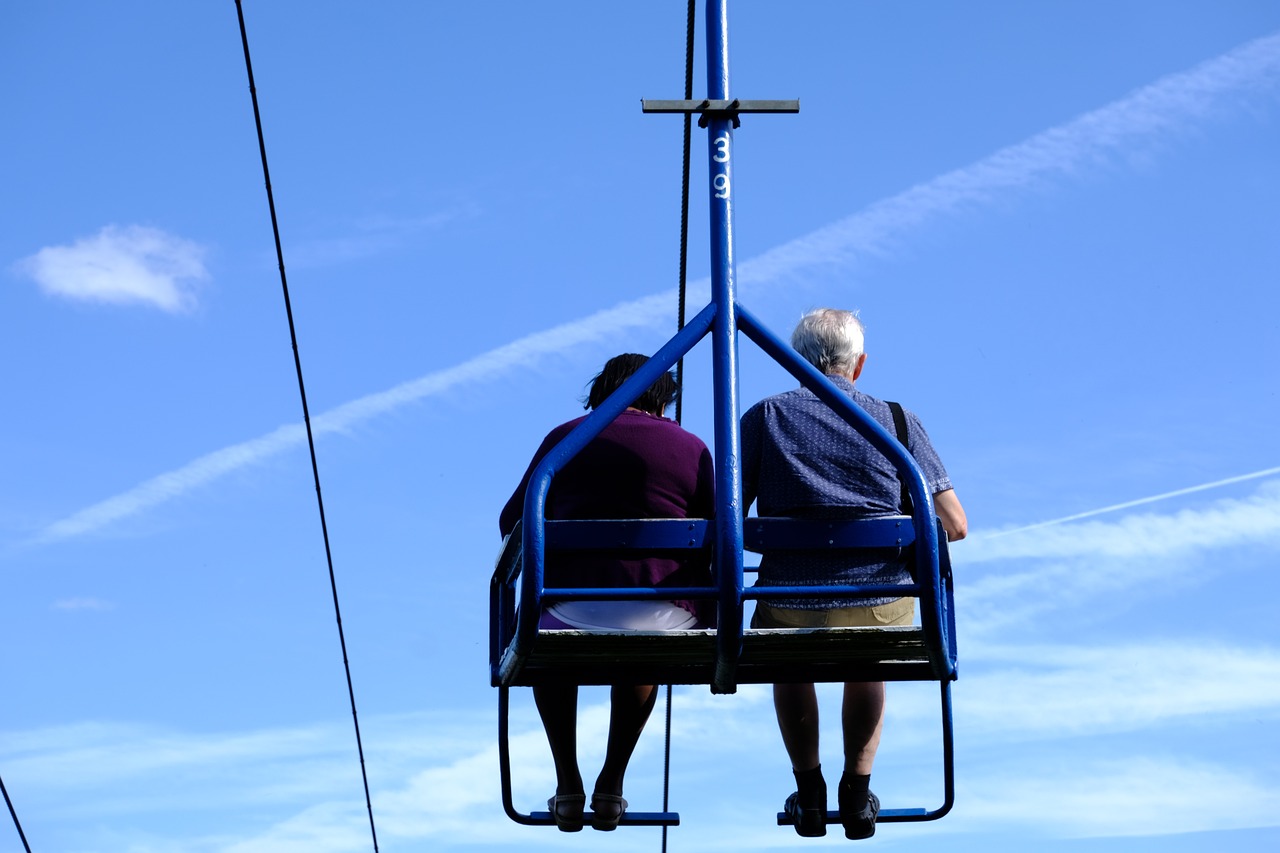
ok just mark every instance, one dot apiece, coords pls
pixel 306 415
pixel 666 770
pixel 8 802
pixel 684 199
pixel 684 269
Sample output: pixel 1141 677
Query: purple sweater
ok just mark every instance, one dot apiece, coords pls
pixel 641 466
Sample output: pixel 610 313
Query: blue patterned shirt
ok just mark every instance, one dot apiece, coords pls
pixel 800 459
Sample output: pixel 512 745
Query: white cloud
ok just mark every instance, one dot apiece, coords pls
pixel 1224 522
pixel 1056 568
pixel 434 774
pixel 1266 472
pixel 433 777
pixel 1126 796
pixel 1160 108
pixel 133 264
pixel 1018 693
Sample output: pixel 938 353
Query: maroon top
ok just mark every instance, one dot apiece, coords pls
pixel 641 466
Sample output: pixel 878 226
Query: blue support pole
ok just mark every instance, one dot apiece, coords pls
pixel 724 348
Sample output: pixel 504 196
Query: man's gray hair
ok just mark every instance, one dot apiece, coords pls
pixel 829 339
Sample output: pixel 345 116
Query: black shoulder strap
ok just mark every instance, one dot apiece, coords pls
pixel 900 426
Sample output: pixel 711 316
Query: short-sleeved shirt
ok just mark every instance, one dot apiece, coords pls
pixel 801 459
pixel 640 466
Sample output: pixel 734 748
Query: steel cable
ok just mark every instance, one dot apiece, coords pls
pixel 306 415
pixel 684 269
pixel 14 813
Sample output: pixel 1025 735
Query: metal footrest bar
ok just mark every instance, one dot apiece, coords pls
pixel 545 818
pixel 948 780
pixel 628 819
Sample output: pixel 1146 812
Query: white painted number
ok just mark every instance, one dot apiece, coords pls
pixel 722 149
pixel 721 184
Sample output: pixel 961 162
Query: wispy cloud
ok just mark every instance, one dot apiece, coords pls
pixel 1149 113
pixel 1018 692
pixel 1124 796
pixel 434 774
pixel 1152 113
pixel 122 265
pixel 1056 568
pixel 1177 493
pixel 1227 521
pixel 527 351
pixel 371 236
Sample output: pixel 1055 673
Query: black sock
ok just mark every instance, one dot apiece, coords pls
pixel 853 792
pixel 812 788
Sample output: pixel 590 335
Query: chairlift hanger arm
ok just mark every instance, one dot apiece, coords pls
pixel 709 108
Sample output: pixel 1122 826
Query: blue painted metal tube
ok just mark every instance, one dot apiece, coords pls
pixel 948 773
pixel 628 593
pixel 724 355
pixel 933 619
pixel 615 593
pixel 869 590
pixel 631 818
pixel 535 498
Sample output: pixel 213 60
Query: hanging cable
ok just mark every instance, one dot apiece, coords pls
pixel 684 200
pixel 14 813
pixel 684 269
pixel 306 415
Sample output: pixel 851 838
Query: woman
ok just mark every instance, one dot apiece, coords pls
pixel 641 466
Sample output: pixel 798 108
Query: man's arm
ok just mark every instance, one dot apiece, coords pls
pixel 752 426
pixel 951 514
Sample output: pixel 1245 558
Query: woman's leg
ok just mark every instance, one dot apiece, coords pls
pixel 558 707
pixel 630 707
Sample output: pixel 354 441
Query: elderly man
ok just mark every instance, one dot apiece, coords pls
pixel 800 459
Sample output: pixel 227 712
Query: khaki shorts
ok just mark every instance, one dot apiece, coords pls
pixel 898 612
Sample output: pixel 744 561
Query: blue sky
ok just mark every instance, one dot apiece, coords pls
pixel 1058 220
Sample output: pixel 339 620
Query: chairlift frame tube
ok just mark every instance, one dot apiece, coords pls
pixel 724 355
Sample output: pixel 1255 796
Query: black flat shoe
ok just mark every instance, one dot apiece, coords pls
pixel 810 823
pixel 567 811
pixel 860 824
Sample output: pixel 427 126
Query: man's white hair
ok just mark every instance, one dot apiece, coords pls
pixel 830 339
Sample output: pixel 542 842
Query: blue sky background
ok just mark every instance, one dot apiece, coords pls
pixel 1058 219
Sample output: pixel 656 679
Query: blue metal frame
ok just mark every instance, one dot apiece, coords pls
pixel 514 627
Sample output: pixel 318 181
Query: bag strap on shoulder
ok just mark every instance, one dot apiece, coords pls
pixel 900 426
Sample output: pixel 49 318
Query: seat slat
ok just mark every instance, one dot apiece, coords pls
pixel 687 657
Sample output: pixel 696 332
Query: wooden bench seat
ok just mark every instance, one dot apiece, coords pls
pixel 688 657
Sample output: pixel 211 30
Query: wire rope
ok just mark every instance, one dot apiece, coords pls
pixel 684 200
pixel 14 813
pixel 690 19
pixel 306 415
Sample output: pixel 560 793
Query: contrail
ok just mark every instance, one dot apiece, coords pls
pixel 1267 472
pixel 1161 107
pixel 600 326
pixel 1170 103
